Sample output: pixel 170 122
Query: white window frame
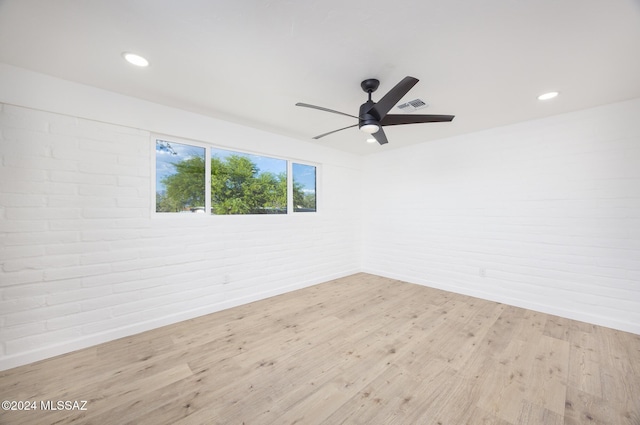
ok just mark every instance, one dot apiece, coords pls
pixel 290 190
pixel 207 149
pixel 207 166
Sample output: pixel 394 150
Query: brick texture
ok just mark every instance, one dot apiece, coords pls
pixel 543 214
pixel 84 260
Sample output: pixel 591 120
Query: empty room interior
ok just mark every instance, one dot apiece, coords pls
pixel 320 212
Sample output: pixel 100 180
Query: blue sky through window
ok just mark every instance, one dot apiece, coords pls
pixel 264 163
pixel 170 153
pixel 305 175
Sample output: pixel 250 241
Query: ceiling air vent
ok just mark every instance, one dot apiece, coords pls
pixel 412 105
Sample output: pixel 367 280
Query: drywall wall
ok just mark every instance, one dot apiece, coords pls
pixel 84 260
pixel 543 214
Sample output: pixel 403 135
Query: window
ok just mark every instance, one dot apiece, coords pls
pixel 203 179
pixel 304 187
pixel 180 177
pixel 247 184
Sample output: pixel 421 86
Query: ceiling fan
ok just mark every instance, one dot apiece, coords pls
pixel 375 115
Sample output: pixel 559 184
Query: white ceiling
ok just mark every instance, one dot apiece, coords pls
pixel 250 61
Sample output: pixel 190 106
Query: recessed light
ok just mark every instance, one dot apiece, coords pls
pixel 371 140
pixel 548 96
pixel 134 59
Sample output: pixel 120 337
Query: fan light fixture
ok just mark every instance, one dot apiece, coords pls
pixel 134 59
pixel 370 128
pixel 547 96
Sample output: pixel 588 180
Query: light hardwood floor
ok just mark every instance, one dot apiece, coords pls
pixel 358 350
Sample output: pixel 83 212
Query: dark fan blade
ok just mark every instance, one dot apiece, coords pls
pixel 334 131
pixel 306 105
pixel 380 136
pixel 414 119
pixel 394 95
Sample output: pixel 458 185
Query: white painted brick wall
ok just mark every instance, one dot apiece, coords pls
pixel 83 260
pixel 547 210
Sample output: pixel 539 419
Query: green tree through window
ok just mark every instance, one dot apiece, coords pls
pixel 238 187
pixel 180 177
pixel 240 183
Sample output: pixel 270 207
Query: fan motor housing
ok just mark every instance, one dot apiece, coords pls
pixel 368 115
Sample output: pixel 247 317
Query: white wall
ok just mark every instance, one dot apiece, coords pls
pixel 548 211
pixel 543 215
pixel 82 258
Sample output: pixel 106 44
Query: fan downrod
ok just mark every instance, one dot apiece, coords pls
pixel 370 85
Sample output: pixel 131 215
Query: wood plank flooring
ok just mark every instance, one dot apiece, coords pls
pixel 358 350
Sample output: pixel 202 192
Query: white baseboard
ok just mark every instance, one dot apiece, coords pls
pixel 9 362
pixel 21 359
pixel 542 308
